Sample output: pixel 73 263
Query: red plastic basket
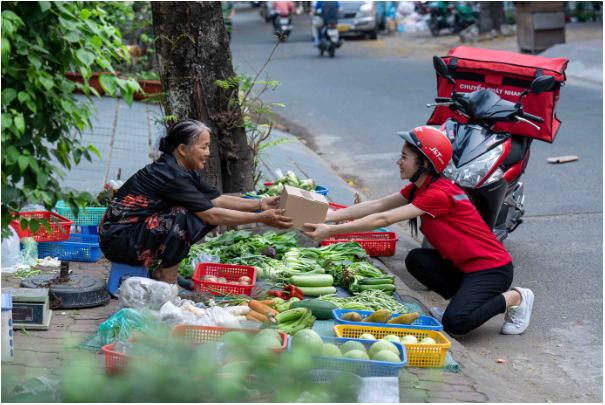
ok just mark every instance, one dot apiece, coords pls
pixel 207 334
pixel 58 232
pixel 115 363
pixel 374 243
pixel 336 207
pixel 230 272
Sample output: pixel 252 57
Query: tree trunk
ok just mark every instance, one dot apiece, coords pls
pixel 193 52
pixel 491 16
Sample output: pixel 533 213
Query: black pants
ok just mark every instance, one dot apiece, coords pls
pixel 476 297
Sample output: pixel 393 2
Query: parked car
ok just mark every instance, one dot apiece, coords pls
pixel 363 17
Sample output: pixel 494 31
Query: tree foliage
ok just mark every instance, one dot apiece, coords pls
pixel 41 41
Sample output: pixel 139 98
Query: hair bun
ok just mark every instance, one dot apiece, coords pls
pixel 164 145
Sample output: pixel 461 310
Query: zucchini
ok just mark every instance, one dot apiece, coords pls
pixel 319 309
pixel 317 291
pixel 377 280
pixel 290 273
pixel 383 287
pixel 320 280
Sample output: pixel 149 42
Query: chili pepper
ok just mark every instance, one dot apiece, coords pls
pixel 294 291
pixel 278 294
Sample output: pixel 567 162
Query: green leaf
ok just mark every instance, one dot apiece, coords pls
pixel 10 193
pixel 47 82
pixel 23 162
pixel 12 153
pixel 19 123
pixel 67 86
pixel 109 83
pixel 71 36
pixel 34 226
pixel 44 5
pixel 128 95
pixel 7 120
pixel 66 25
pixel 42 178
pixel 33 163
pixel 6 46
pixel 85 57
pixel 23 96
pixel 9 15
pixel 84 14
pixel 32 106
pixel 94 150
pixel 8 95
pixel 36 62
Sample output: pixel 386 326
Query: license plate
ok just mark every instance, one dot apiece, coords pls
pixel 284 21
pixel 343 28
pixel 333 33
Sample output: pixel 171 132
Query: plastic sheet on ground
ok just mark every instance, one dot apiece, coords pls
pixel 378 390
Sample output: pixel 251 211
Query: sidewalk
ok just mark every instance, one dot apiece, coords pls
pixel 123 136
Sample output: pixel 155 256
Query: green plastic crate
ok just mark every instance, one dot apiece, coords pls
pixel 92 215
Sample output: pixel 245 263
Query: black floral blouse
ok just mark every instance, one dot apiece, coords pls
pixel 151 217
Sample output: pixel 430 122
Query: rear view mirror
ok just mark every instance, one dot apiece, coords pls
pixel 542 84
pixel 440 67
pixel 442 70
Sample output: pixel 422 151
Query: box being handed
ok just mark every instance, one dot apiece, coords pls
pixel 303 207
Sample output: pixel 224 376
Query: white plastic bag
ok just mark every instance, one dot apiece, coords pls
pixel 223 319
pixel 159 294
pixel 133 294
pixel 204 258
pixel 11 252
pixel 171 315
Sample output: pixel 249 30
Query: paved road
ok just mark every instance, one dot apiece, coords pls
pixel 354 103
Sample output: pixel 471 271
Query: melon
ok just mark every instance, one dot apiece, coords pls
pixel 237 338
pixel 307 342
pixel 391 338
pixel 266 341
pixel 357 355
pixel 428 341
pixel 352 345
pixel 383 345
pixel 270 332
pixel 331 350
pixel 409 339
pixel 367 336
pixel 386 355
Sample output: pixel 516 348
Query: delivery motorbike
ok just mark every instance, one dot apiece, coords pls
pixel 329 39
pixel 486 164
pixel 456 17
pixel 283 25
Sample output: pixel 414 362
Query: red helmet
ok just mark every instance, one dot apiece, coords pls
pixel 432 143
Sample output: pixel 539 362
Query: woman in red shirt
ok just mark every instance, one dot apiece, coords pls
pixel 468 265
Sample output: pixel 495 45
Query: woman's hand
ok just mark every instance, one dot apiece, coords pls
pixel 276 219
pixel 270 203
pixel 319 232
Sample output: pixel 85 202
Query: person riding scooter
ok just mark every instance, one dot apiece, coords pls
pixel 325 12
pixel 468 265
pixel 282 8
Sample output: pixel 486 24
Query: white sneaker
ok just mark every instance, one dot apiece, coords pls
pixel 437 314
pixel 517 317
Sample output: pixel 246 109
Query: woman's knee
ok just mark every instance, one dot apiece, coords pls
pixel 455 323
pixel 412 260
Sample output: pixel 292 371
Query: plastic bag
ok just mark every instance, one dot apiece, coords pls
pixel 11 252
pixel 133 294
pixel 213 354
pixel 29 253
pixel 223 319
pixel 123 323
pixel 155 150
pixel 204 258
pixel 171 314
pixel 159 294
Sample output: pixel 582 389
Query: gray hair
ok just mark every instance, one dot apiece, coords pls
pixel 183 132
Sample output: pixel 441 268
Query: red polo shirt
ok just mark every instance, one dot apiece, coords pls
pixel 454 227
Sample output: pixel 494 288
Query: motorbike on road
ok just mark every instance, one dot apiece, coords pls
pixel 486 164
pixel 329 39
pixel 283 26
pixel 456 17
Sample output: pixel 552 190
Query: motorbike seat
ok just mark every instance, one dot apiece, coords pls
pixel 517 150
pixel 485 104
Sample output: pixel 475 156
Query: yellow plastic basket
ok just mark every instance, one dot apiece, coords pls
pixel 419 355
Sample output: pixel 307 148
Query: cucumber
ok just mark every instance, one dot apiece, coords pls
pixel 317 291
pixel 319 309
pixel 377 280
pixel 383 287
pixel 320 280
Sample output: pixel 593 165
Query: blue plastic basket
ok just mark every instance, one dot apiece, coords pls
pixel 92 216
pixel 363 368
pixel 79 248
pixel 319 190
pixel 423 322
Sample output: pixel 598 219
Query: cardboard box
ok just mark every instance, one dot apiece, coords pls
pixel 303 207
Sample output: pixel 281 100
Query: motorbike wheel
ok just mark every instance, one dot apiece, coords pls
pixel 321 52
pixel 434 27
pixel 332 50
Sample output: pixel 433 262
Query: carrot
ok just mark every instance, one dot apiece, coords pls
pixel 257 316
pixel 245 304
pixel 250 317
pixel 267 302
pixel 261 308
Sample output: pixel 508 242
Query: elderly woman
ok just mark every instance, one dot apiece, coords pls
pixel 167 206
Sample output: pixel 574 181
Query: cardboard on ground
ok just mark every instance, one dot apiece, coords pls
pixel 303 207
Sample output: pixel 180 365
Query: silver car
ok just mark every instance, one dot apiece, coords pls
pixel 363 17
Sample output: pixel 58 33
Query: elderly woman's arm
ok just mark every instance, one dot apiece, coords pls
pixel 223 216
pixel 245 204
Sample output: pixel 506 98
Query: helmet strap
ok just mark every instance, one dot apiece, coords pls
pixel 416 175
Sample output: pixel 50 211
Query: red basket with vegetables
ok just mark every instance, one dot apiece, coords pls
pixel 208 334
pixel 224 279
pixel 374 243
pixel 58 231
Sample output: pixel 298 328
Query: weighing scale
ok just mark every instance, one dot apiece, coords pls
pixel 30 308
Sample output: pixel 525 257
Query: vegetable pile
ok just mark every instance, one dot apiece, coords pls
pixel 290 179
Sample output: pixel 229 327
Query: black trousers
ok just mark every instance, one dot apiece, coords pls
pixel 476 297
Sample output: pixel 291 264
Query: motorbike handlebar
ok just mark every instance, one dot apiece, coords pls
pixel 531 117
pixel 448 104
pixel 442 99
